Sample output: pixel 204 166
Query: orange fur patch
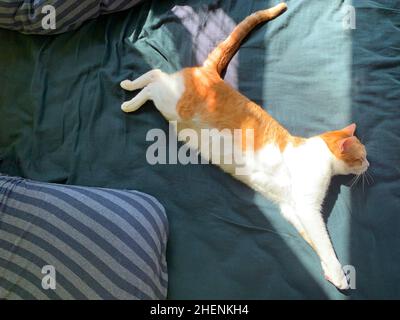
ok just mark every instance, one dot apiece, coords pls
pixel 210 100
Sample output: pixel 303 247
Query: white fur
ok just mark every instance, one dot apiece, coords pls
pixel 164 90
pixel 296 180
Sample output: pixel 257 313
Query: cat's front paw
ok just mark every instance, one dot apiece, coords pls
pixel 335 275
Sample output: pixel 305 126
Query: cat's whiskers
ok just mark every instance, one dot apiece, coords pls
pixel 356 178
pixel 352 180
pixel 367 178
pixel 370 176
pixel 363 179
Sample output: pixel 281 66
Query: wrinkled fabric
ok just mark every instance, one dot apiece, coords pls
pixel 60 121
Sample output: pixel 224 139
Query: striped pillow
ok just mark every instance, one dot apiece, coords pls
pixel 26 15
pixel 70 242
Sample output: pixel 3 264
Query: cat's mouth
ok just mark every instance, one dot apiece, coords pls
pixel 363 168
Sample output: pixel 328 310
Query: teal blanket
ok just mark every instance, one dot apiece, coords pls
pixel 60 121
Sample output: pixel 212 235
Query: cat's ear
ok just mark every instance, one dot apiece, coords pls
pixel 350 129
pixel 345 144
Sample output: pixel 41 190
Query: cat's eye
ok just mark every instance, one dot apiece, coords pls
pixel 358 161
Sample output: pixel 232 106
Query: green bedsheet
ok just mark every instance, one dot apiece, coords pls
pixel 60 121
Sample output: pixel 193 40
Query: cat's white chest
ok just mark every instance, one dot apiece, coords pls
pixel 267 173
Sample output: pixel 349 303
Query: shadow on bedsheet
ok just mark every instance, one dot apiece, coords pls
pixel 375 203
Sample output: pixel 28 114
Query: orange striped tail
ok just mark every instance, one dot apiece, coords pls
pixel 219 58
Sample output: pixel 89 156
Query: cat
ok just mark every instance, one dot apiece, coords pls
pixel 293 172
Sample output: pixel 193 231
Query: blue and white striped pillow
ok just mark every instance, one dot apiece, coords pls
pixel 26 15
pixel 102 243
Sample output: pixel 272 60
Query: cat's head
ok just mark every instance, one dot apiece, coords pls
pixel 350 154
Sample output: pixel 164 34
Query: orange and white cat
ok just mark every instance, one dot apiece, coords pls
pixel 293 172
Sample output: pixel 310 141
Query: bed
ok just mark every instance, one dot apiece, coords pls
pixel 314 69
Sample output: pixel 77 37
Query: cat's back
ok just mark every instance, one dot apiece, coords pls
pixel 211 102
pixel 206 94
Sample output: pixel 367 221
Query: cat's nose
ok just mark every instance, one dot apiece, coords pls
pixel 365 165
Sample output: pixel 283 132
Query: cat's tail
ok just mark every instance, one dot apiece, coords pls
pixel 219 58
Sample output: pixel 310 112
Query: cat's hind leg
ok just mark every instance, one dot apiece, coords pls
pixel 145 83
pixel 165 90
pixel 137 101
pixel 142 81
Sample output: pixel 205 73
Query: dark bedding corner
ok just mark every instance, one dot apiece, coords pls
pixel 60 121
pixel 55 16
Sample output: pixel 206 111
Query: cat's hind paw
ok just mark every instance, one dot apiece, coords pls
pixel 129 106
pixel 127 85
